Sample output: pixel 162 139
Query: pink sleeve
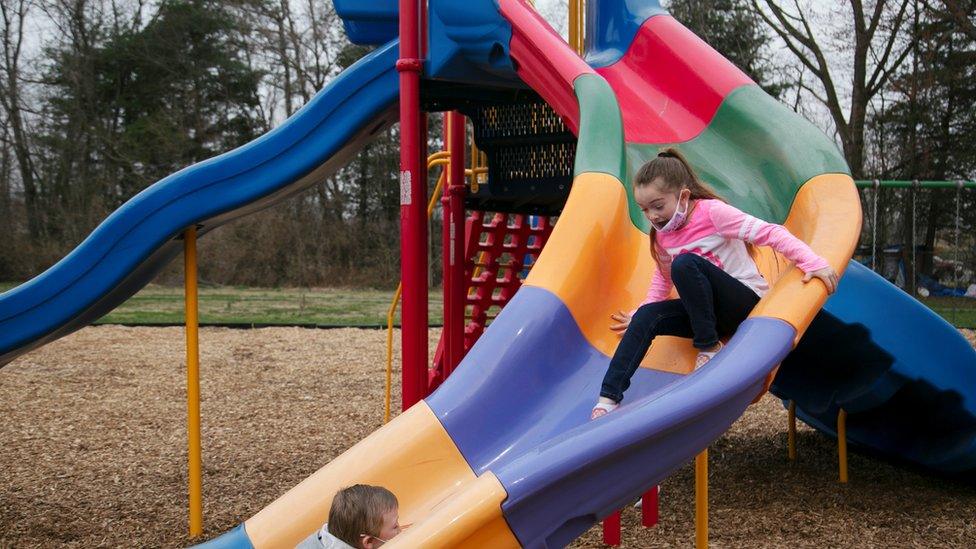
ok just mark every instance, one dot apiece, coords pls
pixel 733 223
pixel 660 287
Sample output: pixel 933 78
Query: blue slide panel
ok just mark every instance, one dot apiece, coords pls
pixel 612 25
pixel 136 241
pixel 234 539
pixel 369 23
pixel 902 373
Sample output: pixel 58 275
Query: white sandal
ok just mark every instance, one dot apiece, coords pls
pixel 603 408
pixel 705 356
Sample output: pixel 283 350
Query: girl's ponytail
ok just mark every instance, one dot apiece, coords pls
pixel 675 173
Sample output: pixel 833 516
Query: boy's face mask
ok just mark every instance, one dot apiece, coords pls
pixel 677 218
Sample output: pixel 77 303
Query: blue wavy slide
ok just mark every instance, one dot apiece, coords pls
pixel 136 241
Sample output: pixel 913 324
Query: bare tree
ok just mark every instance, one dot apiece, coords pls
pixel 6 213
pixel 14 15
pixel 878 49
pixel 322 44
pixel 299 43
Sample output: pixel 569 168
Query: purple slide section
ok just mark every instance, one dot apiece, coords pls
pixel 520 405
pixel 531 376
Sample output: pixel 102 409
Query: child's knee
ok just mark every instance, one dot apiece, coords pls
pixel 644 313
pixel 684 262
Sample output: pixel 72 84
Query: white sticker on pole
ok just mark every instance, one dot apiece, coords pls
pixel 405 188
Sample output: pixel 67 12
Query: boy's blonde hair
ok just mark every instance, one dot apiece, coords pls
pixel 358 510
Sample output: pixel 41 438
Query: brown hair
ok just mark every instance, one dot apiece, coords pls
pixel 358 510
pixel 672 172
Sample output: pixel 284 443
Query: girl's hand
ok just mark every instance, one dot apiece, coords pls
pixel 827 274
pixel 622 321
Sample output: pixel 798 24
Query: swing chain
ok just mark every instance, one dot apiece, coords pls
pixel 914 288
pixel 874 223
pixel 956 266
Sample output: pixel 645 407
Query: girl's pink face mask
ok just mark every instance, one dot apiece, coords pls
pixel 677 218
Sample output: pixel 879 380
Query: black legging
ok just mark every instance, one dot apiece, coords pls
pixel 712 305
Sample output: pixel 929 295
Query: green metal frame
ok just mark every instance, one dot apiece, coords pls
pixel 903 184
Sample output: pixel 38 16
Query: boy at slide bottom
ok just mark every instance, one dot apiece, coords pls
pixel 361 517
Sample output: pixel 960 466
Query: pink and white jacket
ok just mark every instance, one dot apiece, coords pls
pixel 718 232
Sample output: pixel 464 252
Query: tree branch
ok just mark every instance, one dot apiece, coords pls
pixel 957 13
pixel 880 67
pixel 818 66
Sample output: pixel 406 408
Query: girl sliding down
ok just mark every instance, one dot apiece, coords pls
pixel 699 244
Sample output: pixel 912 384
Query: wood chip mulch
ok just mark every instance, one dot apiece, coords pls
pixel 93 449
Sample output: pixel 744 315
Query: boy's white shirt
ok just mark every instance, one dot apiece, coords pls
pixel 322 539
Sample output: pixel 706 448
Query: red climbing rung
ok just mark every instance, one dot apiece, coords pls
pixel 505 240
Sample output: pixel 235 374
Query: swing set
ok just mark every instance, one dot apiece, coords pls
pixel 900 263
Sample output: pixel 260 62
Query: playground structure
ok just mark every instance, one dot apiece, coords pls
pixel 502 453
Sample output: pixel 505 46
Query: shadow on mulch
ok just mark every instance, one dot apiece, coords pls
pixel 94 449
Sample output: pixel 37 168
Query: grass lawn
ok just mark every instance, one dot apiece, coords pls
pixel 225 304
pixel 959 311
pixel 338 307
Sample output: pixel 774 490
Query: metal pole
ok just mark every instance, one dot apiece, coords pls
pixel 649 507
pixel 193 381
pixel 905 184
pixel 791 434
pixel 390 314
pixel 955 254
pixel 611 529
pixel 580 27
pixel 450 134
pixel 573 24
pixel 453 254
pixel 842 444
pixel 701 500
pixel 436 159
pixel 914 289
pixel 874 224
pixel 413 221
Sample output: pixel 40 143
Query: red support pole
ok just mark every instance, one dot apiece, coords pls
pixel 413 210
pixel 649 508
pixel 453 241
pixel 611 529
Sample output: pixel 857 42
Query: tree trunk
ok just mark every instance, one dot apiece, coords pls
pixel 13 16
pixel 283 56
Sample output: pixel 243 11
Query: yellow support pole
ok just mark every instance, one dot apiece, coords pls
pixel 193 381
pixel 389 350
pixel 439 155
pixel 476 166
pixel 701 500
pixel 577 25
pixel 842 444
pixel 581 26
pixel 574 17
pixel 791 435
